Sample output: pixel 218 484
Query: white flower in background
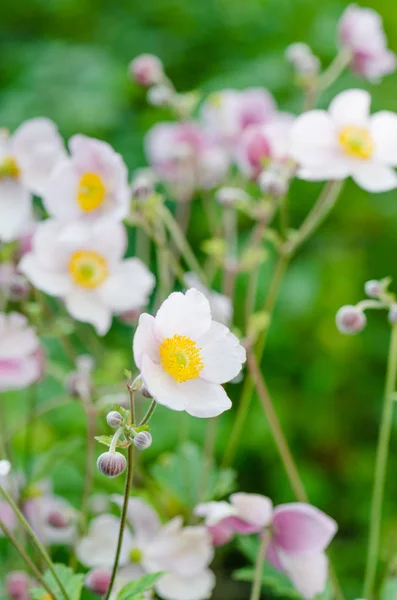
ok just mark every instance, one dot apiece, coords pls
pixel 346 141
pixel 90 274
pixel 52 517
pixel 184 356
pixel 27 159
pixel 21 358
pixel 88 188
pixel 183 552
pixel 221 306
pixel 361 33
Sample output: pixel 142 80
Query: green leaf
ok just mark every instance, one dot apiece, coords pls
pixel 389 589
pixel 106 440
pixel 72 583
pixel 47 462
pixel 134 590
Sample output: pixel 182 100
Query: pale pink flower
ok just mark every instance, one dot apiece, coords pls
pixel 184 356
pixel 17 585
pixel 146 70
pixel 27 159
pixel 21 358
pixel 89 273
pixel 346 141
pixel 148 547
pixel 88 188
pixel 52 517
pixel 361 33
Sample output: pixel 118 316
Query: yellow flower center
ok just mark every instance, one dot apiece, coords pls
pixel 91 192
pixel 88 269
pixel 9 168
pixel 181 358
pixel 46 596
pixel 356 141
pixel 135 555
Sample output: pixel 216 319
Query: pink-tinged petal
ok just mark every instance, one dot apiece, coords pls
pixel 17 338
pixel 59 197
pixel 187 553
pixel 308 572
pixel 15 209
pixel 272 556
pixel 50 282
pixel 7 515
pixel 215 512
pixel 222 354
pixel 240 526
pixel 314 139
pixel 85 306
pixel 221 534
pixel 205 399
pixel 383 128
pixel 255 509
pixel 98 547
pixel 17 374
pixel 145 341
pixel 374 177
pixel 164 389
pixel 197 587
pixel 300 527
pixel 184 314
pixel 143 519
pixel 351 107
pixel 128 287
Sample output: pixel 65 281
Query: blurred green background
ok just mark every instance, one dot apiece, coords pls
pixel 67 60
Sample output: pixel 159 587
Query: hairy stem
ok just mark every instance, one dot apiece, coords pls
pixel 149 413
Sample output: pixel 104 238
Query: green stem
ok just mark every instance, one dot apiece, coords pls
pixel 230 267
pixel 40 548
pixel 334 70
pixel 381 467
pixel 260 559
pixel 149 413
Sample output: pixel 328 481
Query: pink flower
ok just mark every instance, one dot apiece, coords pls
pixel 361 32
pixel 146 70
pixel 21 359
pixel 52 517
pixel 17 585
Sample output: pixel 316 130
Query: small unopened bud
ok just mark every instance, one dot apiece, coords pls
pixel 159 95
pixel 302 59
pixel 98 580
pixel 393 314
pixel 58 519
pixel 18 288
pixel 145 392
pixel 111 464
pixel 142 186
pixel 230 196
pixel 373 288
pixel 350 320
pixel 142 440
pixel 146 70
pixel 274 182
pixel 130 317
pixel 114 418
pixel 17 585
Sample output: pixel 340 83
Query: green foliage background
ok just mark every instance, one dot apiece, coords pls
pixel 67 59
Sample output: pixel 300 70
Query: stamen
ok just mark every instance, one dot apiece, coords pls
pixel 181 358
pixel 88 269
pixel 91 192
pixel 356 141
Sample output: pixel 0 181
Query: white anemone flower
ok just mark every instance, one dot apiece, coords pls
pixel 27 159
pixel 346 141
pixel 184 356
pixel 88 188
pixel 88 274
pixel 148 547
pixel 221 305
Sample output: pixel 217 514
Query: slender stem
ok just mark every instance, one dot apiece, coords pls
pixel 89 463
pixel 142 245
pixel 208 459
pixel 260 559
pixel 149 413
pixel 40 548
pixel 21 551
pixel 230 233
pixel 381 467
pixel 334 70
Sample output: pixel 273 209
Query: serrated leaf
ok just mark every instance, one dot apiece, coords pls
pixel 72 582
pixel 134 590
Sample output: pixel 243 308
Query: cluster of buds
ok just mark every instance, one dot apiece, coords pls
pixel 351 319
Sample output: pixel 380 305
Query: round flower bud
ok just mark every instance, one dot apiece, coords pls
pixel 142 440
pixel 373 288
pixel 273 181
pixel 145 392
pixel 393 314
pixel 114 418
pixel 57 519
pixel 146 70
pixel 301 57
pixel 159 95
pixel 98 580
pixel 17 585
pixel 111 464
pixel 350 320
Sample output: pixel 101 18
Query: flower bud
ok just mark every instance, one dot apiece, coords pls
pixel 159 95
pixel 274 182
pixel 17 585
pixel 57 519
pixel 98 580
pixel 18 288
pixel 350 320
pixel 111 464
pixel 142 186
pixel 146 70
pixel 373 288
pixel 114 418
pixel 145 392
pixel 142 440
pixel 230 196
pixel 301 57
pixel 393 314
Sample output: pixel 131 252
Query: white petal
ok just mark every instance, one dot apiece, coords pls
pixel 185 314
pixel 351 107
pixel 162 386
pixel 46 246
pixel 145 341
pixel 17 339
pixel 98 548
pixel 50 282
pixel 205 399
pixel 383 127
pixel 60 194
pixel 15 209
pixel 86 306
pixel 222 354
pixel 314 139
pixel 128 287
pixel 374 177
pixel 192 553
pixel 174 587
pixel 253 508
pixel 307 571
pixel 214 512
pixel 141 516
pixel 334 169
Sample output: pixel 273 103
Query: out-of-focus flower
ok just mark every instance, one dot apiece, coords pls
pixel 52 517
pixel 301 57
pixel 143 184
pixel 11 484
pixel 146 70
pixel 98 581
pixel 79 382
pixel 88 274
pixel 88 188
pixel 373 288
pixel 231 197
pixel 275 179
pixel 13 285
pixel 183 156
pixel 184 356
pixel 27 159
pixel 17 585
pixel 183 552
pixel 221 306
pixel 21 358
pixel 160 95
pixel 361 33
pixel 347 141
pixel 350 319
pixel 300 534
